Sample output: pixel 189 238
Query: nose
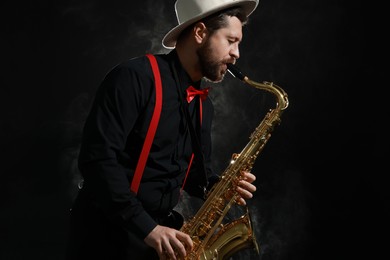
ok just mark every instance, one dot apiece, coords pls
pixel 234 51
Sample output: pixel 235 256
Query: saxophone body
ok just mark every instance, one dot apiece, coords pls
pixel 212 238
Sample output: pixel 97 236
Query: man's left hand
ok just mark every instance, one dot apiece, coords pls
pixel 245 187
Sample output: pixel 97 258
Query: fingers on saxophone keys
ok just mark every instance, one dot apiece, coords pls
pixel 248 176
pixel 168 252
pixel 245 187
pixel 246 193
pixel 240 201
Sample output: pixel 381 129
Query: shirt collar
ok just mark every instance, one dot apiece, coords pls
pixel 185 79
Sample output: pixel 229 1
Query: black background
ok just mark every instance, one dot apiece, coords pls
pixel 322 191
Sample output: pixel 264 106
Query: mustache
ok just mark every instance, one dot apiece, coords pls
pixel 227 61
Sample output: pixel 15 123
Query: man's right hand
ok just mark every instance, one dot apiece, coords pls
pixel 169 243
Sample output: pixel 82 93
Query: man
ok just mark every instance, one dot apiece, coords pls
pixel 116 218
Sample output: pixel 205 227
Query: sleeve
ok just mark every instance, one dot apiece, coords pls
pixel 118 103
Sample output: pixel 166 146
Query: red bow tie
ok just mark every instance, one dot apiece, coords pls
pixel 192 92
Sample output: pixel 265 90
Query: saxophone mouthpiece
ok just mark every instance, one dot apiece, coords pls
pixel 235 71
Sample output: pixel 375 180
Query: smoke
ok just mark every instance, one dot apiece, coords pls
pixel 115 32
pixel 58 51
pixel 278 210
pixel 238 110
pixel 112 34
pixel 162 18
pixel 281 214
pixel 72 125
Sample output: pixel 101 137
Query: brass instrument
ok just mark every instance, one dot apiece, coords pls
pixel 212 239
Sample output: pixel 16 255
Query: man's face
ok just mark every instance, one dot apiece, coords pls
pixel 219 49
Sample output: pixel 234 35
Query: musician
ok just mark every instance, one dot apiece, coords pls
pixel 115 217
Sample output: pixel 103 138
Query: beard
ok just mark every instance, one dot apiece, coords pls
pixel 211 69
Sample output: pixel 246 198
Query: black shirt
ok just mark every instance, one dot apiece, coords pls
pixel 114 134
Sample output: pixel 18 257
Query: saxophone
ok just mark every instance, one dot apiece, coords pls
pixel 212 238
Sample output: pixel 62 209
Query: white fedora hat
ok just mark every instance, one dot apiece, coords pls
pixel 190 11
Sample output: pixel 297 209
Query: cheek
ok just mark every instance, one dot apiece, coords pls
pixel 219 45
pixel 220 51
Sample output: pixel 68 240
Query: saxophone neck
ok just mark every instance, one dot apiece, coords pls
pixel 281 95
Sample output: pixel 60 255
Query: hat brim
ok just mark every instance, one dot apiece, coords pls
pixel 169 40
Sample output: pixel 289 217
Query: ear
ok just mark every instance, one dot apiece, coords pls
pixel 200 32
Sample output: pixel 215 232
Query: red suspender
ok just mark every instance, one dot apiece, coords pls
pixel 152 127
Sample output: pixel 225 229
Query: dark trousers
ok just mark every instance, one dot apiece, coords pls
pixel 93 236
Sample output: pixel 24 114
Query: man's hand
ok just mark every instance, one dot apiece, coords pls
pixel 169 243
pixel 245 187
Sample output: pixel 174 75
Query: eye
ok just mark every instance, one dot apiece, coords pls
pixel 233 40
